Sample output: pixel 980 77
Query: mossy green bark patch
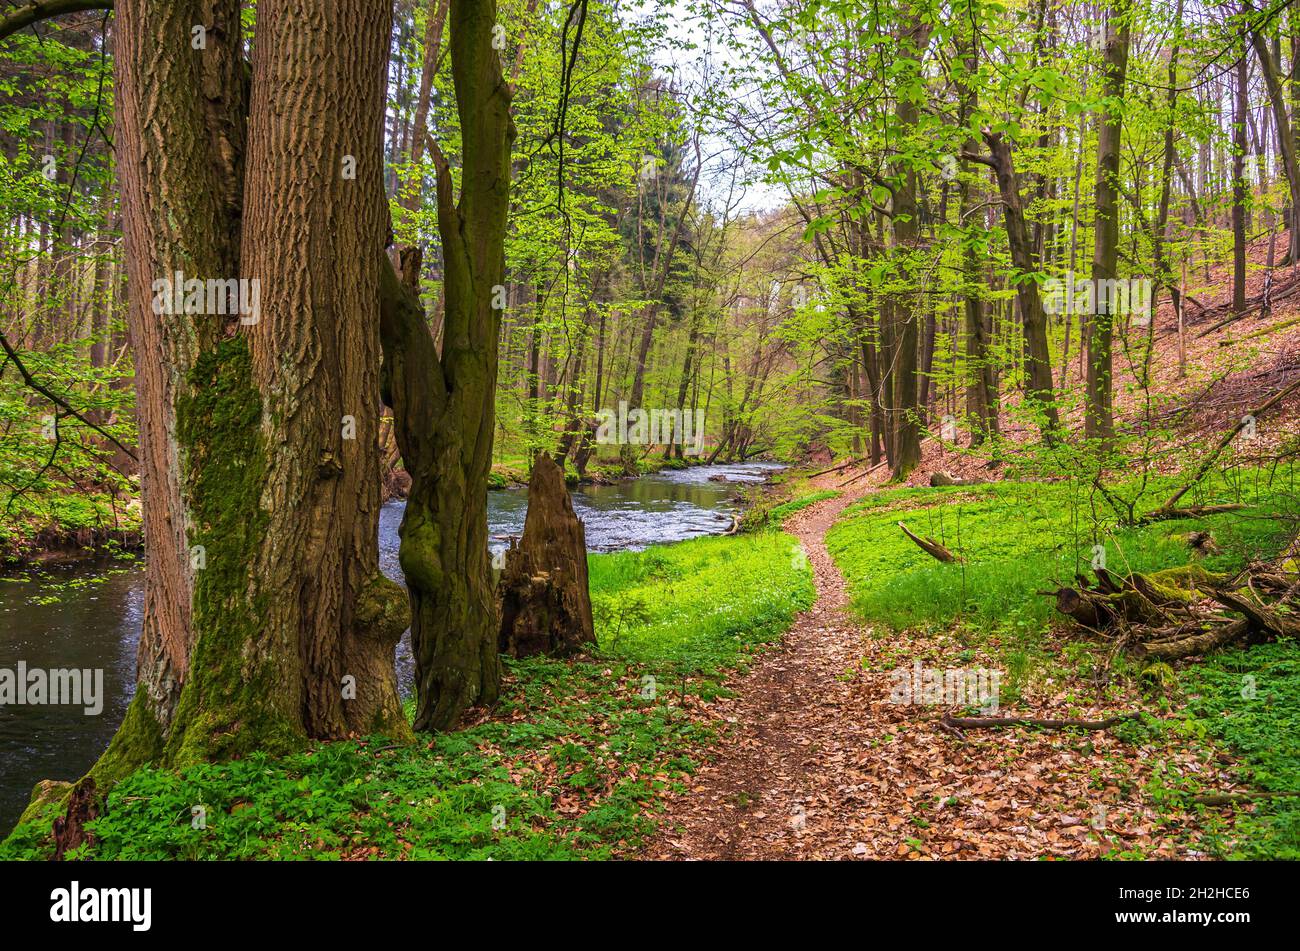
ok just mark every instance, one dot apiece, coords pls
pixel 137 742
pixel 237 698
pixel 383 610
pixel 48 798
pixel 418 554
pixel 1179 582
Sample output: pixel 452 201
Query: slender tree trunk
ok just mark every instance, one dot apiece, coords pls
pixel 1158 233
pixel 1098 419
pixel 1039 390
pixel 1285 136
pixel 444 406
pixel 981 389
pixel 903 314
pixel 1240 193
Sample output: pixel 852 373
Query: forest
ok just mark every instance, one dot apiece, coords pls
pixel 610 429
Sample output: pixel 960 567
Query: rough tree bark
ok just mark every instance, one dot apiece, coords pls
pixel 545 601
pixel 444 406
pixel 1099 418
pixel 262 588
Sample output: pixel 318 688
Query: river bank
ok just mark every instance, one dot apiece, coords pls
pixel 68 530
pixel 621 753
pixel 572 763
pixel 88 615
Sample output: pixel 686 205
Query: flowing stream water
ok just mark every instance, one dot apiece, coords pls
pixel 89 616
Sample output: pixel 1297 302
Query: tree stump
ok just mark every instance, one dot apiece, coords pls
pixel 545 602
pixel 70 828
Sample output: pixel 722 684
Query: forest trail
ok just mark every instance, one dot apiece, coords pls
pixel 819 764
pixel 788 783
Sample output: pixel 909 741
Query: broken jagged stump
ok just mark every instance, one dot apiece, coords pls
pixel 545 602
pixel 70 829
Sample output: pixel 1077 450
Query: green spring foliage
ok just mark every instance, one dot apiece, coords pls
pixel 1018 539
pixel 1249 700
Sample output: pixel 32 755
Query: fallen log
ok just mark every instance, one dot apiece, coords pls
pixel 943 479
pixel 929 546
pixel 1257 614
pixel 1228 799
pixel 1085 607
pixel 1191 511
pixel 863 474
pixel 1180 647
pixel 1136 599
pixel 983 723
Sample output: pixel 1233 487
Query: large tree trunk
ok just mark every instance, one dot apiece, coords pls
pixel 444 407
pixel 174 203
pixel 266 621
pixel 308 229
pixel 545 601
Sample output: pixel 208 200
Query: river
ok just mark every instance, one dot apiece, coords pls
pixel 89 616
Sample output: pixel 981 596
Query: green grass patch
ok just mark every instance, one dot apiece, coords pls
pixel 1249 700
pixel 781 512
pixel 765 510
pixel 1017 539
pixel 700 605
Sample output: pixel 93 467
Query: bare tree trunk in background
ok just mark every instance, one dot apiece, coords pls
pixel 903 315
pixel 436 19
pixel 1098 418
pixel 1240 193
pixel 1158 233
pixel 662 265
pixel 1285 135
pixel 1039 389
pixel 981 388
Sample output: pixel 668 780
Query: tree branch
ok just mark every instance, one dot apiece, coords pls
pixel 45 9
pixel 54 398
